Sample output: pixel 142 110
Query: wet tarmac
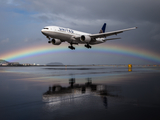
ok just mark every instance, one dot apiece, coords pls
pixel 88 93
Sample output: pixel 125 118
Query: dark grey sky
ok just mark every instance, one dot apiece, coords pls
pixel 21 23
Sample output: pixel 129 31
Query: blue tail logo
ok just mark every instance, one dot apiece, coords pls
pixel 103 28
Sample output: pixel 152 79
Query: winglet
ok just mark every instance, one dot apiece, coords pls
pixel 103 28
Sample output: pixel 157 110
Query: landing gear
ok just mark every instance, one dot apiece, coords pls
pixel 88 46
pixel 48 39
pixel 71 47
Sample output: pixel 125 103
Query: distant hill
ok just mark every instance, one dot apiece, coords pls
pixel 54 63
pixel 3 61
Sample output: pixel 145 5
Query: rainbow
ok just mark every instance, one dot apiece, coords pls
pixel 105 48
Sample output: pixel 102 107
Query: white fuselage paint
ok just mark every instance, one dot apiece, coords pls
pixel 65 34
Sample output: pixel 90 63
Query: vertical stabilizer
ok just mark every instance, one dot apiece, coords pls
pixel 103 28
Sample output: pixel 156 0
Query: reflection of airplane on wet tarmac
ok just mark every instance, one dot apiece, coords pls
pixel 59 93
pixel 60 34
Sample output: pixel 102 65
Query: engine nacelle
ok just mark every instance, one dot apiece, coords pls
pixel 85 38
pixel 56 41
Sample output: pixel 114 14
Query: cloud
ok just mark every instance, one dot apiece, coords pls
pixel 156 37
pixel 93 9
pixel 26 40
pixel 61 18
pixel 5 41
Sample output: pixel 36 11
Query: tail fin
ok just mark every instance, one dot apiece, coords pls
pixel 103 28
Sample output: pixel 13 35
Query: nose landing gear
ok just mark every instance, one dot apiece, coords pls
pixel 49 41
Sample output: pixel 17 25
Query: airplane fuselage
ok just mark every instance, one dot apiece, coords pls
pixel 64 34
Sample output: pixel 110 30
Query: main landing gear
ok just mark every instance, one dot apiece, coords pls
pixel 88 46
pixel 71 47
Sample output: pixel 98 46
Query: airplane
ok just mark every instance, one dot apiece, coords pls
pixel 57 35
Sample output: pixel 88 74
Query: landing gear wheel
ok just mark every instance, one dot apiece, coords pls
pixel 88 46
pixel 49 41
pixel 71 47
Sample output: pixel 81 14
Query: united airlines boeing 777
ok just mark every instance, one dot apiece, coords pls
pixel 57 35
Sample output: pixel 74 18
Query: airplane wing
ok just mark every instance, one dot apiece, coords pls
pixel 111 39
pixel 106 34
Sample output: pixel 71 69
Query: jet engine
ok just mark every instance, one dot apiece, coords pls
pixel 85 38
pixel 56 41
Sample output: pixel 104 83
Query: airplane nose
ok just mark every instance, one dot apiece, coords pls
pixel 42 31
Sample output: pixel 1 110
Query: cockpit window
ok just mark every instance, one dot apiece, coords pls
pixel 45 28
